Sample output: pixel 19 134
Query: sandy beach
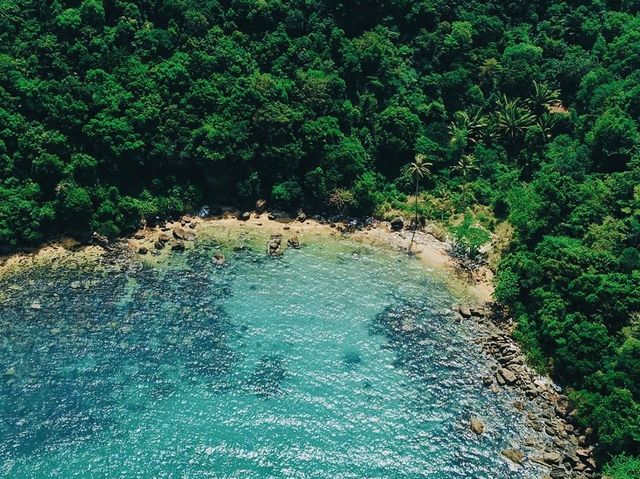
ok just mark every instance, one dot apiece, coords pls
pixel 430 251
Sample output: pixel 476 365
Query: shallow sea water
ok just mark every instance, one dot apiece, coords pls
pixel 335 361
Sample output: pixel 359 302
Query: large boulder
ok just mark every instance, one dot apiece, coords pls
pixel 552 458
pixel 164 238
pixel 294 242
pixel 261 206
pixel 396 224
pixel 302 217
pixel 274 246
pixel 100 240
pixel 509 376
pixel 178 246
pixel 183 234
pixel 246 216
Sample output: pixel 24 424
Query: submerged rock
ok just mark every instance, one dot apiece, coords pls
pixel 143 250
pixel 179 246
pixel 476 425
pixel 218 259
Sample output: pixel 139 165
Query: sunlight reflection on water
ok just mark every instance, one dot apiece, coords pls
pixel 332 362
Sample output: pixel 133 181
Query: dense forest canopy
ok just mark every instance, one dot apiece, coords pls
pixel 113 111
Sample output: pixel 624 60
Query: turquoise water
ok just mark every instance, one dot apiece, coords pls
pixel 336 361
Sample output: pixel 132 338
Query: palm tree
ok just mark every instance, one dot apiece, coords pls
pixel 542 98
pixel 513 120
pixel 419 168
pixel 467 125
pixel 466 165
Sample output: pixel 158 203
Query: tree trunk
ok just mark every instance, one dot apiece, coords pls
pixel 415 220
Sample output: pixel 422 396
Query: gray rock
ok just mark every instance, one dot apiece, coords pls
pixel 396 224
pixel 261 206
pixel 100 240
pixel 294 242
pixel 558 473
pixel 183 234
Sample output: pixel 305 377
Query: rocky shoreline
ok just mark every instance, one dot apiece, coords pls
pixel 566 452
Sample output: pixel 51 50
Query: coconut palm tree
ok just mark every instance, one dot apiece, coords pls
pixel 513 119
pixel 542 98
pixel 467 125
pixel 466 165
pixel 417 169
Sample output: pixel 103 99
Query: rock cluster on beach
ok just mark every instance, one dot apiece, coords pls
pixel 565 453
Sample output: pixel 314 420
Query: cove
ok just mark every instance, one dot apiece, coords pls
pixel 338 360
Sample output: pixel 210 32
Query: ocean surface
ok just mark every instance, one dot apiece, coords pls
pixel 335 361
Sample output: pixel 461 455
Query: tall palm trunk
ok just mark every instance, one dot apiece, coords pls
pixel 415 220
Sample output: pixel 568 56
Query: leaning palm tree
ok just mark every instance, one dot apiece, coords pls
pixel 417 169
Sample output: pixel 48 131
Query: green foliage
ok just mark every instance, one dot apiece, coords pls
pixel 115 112
pixel 470 235
pixel 623 467
pixel 286 194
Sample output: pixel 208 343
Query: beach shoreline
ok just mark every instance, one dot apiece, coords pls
pixel 432 253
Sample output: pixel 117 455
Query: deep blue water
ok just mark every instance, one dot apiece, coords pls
pixel 336 361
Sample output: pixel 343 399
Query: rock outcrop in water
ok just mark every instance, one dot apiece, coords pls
pixel 274 246
pixel 476 425
pixel 565 452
